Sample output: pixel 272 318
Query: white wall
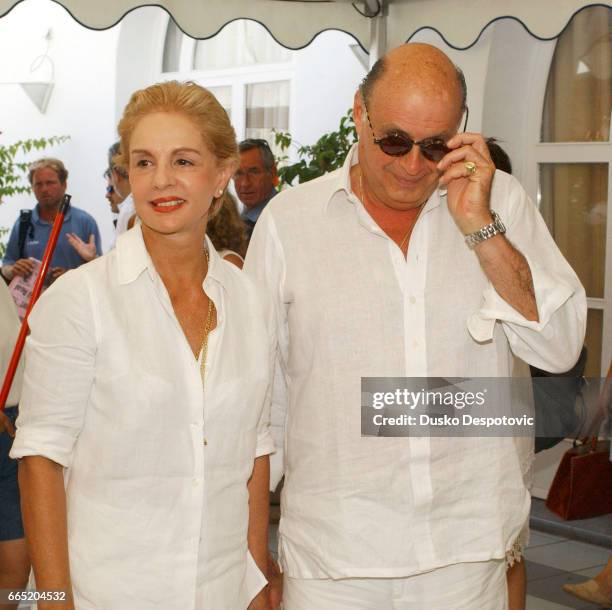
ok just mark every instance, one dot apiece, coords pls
pixel 514 86
pixel 327 74
pixel 81 105
pixel 139 53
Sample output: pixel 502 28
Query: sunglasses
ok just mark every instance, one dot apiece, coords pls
pixel 397 144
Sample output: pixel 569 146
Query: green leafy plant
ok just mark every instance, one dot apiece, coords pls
pixel 14 173
pixel 325 155
pixel 3 232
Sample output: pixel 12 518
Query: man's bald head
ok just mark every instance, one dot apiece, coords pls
pixel 420 66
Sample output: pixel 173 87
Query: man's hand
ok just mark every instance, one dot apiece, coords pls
pixel 467 172
pixel 87 251
pixel 6 425
pixel 55 272
pixel 275 580
pixel 469 192
pixel 23 267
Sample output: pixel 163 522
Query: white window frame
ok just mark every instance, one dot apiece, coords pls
pixel 570 152
pixel 236 78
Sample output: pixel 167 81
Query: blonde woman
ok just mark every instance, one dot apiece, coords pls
pixel 145 392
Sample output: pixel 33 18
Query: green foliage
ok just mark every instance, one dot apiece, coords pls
pixel 326 155
pixel 3 231
pixel 13 173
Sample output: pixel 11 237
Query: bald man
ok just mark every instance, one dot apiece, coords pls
pixel 416 259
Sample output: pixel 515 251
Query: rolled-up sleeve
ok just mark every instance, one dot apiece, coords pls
pixel 265 443
pixel 554 341
pixel 60 360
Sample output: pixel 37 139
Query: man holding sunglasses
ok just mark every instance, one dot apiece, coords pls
pixel 416 259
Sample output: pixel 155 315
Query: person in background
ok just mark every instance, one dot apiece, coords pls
pixel 499 156
pixel 113 199
pixel 227 232
pixel 598 590
pixel 121 185
pixel 255 179
pixel 79 239
pixel 14 561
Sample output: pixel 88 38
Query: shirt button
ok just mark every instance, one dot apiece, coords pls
pixel 205 442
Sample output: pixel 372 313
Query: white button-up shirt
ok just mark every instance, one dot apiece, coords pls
pixel 157 518
pixel 346 304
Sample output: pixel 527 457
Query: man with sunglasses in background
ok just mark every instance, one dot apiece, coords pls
pixel 255 179
pixel 415 259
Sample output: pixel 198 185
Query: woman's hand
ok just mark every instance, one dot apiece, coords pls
pixel 6 425
pixel 275 580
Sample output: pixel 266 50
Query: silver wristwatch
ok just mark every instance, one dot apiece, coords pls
pixel 488 231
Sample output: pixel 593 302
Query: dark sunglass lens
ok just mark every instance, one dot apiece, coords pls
pixel 434 150
pixel 395 145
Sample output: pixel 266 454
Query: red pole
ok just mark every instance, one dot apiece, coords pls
pixel 48 255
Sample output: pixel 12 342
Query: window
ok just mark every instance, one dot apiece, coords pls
pixel 574 166
pixel 267 108
pixel 239 44
pixel 244 67
pixel 578 98
pixel 224 95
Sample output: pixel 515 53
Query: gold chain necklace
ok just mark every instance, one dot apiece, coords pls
pixel 405 239
pixel 204 348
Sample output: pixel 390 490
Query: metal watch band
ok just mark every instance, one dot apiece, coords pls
pixel 488 231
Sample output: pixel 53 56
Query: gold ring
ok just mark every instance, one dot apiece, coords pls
pixel 471 167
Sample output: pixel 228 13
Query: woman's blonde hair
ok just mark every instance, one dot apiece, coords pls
pixel 192 101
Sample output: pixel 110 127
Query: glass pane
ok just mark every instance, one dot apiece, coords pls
pixel 172 47
pixel 574 205
pixel 594 333
pixel 240 43
pixel 578 98
pixel 267 109
pixel 224 97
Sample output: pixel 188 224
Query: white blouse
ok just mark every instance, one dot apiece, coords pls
pixel 9 329
pixel 156 468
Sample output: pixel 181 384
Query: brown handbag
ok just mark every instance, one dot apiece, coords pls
pixel 582 487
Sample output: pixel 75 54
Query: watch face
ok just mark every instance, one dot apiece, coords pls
pixel 498 224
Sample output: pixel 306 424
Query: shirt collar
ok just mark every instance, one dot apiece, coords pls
pixel 342 180
pixel 253 213
pixel 133 258
pixel 36 215
pixel 343 183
